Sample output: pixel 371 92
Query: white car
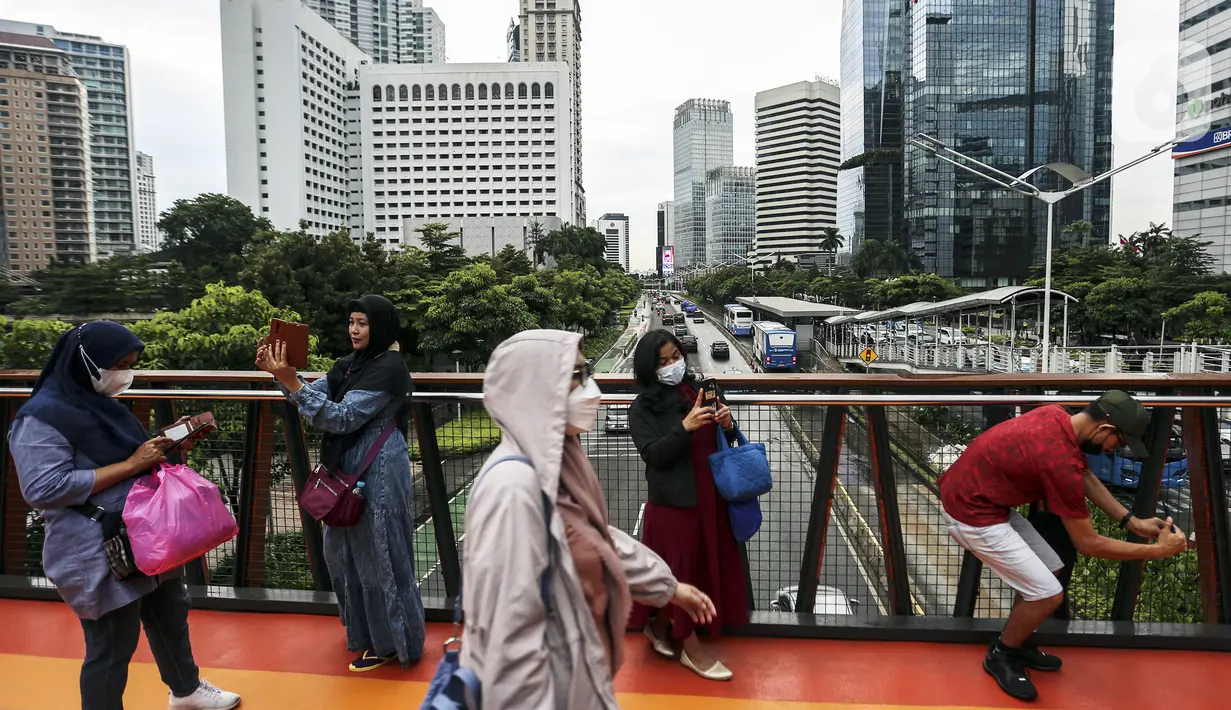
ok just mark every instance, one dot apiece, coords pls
pixel 829 600
pixel 616 419
pixel 951 336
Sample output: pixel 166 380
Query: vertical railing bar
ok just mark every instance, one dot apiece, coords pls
pixel 6 414
pixel 1221 523
pixel 1149 484
pixel 297 453
pixel 247 492
pixel 827 464
pixel 887 509
pixel 438 499
pixel 1199 475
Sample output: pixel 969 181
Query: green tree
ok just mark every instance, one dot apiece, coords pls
pixel 473 313
pixel 1204 319
pixel 1078 232
pixel 444 257
pixel 210 232
pixel 537 292
pixel 831 241
pixel 575 247
pixel 911 288
pixel 116 285
pixel 26 344
pixel 1124 306
pixel 317 277
pixel 511 262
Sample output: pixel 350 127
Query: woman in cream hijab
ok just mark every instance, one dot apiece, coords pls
pixel 539 391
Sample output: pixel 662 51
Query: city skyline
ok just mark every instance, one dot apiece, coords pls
pixel 177 88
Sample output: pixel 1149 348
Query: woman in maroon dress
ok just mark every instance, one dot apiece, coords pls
pixel 686 521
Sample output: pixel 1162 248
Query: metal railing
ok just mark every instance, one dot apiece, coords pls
pixel 853 543
pixel 985 356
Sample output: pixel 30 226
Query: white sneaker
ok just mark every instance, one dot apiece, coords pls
pixel 206 697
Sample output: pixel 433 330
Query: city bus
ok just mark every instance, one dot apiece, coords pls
pixel 737 319
pixel 773 346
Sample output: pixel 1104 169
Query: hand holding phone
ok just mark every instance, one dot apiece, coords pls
pixel 188 430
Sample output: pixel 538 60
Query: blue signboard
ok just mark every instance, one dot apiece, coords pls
pixel 1214 140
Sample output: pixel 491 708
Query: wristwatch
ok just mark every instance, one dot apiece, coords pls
pixel 1124 521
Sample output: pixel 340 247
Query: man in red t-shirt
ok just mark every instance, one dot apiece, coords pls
pixel 1040 457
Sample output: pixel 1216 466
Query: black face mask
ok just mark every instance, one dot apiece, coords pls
pixel 1092 447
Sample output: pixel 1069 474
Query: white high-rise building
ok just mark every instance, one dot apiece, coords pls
pixel 798 152
pixel 484 148
pixel 1202 195
pixel 286 76
pixel 389 31
pixel 104 68
pixel 703 142
pixel 614 228
pixel 550 31
pixel 48 181
pixel 149 239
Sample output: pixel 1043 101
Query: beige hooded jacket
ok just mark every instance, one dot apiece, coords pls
pixel 524 659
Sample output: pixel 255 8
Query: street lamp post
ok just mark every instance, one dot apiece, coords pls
pixel 1079 178
pixel 457 360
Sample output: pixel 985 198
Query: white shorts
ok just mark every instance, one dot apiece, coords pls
pixel 1015 552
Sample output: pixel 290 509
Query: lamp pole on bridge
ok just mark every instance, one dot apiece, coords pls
pixel 1079 178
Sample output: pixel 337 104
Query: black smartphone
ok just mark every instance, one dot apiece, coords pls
pixel 711 395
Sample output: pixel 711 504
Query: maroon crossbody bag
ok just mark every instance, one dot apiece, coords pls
pixel 331 496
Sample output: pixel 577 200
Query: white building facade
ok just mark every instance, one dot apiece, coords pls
pixel 286 77
pixel 614 228
pixel 389 31
pixel 149 239
pixel 550 31
pixel 104 69
pixel 799 150
pixel 703 141
pixel 1202 175
pixel 484 148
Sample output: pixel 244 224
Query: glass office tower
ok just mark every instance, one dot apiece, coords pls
pixel 1015 85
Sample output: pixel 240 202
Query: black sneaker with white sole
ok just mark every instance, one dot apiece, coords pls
pixel 1010 673
pixel 1037 659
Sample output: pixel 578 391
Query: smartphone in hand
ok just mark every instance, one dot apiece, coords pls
pixel 711 394
pixel 191 429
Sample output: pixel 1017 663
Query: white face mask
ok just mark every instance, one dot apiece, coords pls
pixel 111 383
pixel 583 405
pixel 673 374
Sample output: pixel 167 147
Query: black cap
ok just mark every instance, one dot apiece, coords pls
pixel 1129 416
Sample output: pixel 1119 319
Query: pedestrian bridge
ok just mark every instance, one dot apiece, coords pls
pixel 853 519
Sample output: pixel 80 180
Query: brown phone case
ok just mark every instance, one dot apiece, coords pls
pixel 199 426
pixel 295 335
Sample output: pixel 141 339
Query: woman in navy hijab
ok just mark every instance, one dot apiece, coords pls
pixel 78 452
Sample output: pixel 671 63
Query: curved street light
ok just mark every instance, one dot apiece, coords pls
pixel 1079 178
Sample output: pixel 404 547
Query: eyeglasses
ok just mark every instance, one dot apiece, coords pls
pixel 582 373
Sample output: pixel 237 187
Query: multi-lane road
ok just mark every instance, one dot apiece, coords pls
pixel 776 552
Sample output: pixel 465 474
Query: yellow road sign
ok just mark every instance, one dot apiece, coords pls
pixel 868 355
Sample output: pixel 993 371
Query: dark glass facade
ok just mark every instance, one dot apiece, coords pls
pixel 872 46
pixel 1014 85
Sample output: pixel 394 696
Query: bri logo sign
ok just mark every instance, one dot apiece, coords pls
pixel 1214 140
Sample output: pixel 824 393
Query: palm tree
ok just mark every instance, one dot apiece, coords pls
pixel 831 242
pixel 1149 241
pixel 1079 230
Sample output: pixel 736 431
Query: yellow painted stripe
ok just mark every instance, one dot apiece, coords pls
pixel 36 683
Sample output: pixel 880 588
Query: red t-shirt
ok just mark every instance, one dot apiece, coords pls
pixel 1034 457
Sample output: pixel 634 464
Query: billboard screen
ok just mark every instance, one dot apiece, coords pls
pixel 668 261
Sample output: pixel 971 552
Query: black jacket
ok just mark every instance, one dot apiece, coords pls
pixel 656 422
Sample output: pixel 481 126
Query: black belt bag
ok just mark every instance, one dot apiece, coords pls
pixel 115 541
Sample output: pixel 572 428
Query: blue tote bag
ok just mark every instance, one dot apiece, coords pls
pixel 454 687
pixel 741 473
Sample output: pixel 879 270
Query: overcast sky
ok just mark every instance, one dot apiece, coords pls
pixel 640 59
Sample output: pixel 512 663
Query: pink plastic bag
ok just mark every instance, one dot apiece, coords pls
pixel 174 516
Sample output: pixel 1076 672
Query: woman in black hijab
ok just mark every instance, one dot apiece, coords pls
pixel 372 562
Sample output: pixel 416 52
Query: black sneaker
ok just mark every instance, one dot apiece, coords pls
pixel 1010 674
pixel 1035 658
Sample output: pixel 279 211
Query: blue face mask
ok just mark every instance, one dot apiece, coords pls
pixel 673 374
